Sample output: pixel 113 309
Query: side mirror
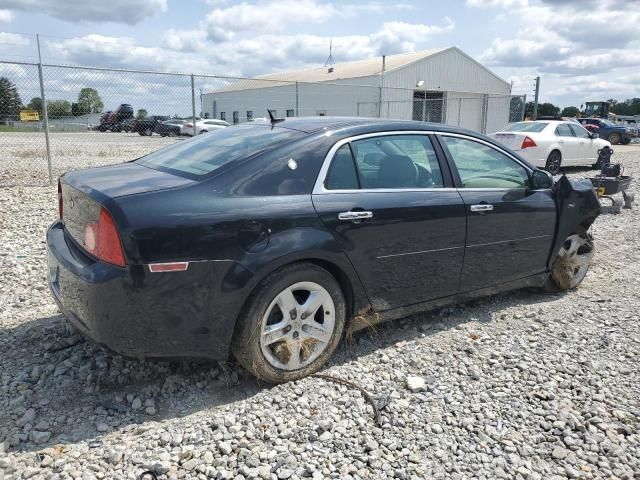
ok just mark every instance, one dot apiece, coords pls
pixel 594 135
pixel 541 179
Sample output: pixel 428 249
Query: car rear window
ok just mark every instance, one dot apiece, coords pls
pixel 533 127
pixel 206 153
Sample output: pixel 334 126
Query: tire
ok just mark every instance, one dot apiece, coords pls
pixel 293 351
pixel 554 160
pixel 148 132
pixel 202 131
pixel 625 141
pixel 572 263
pixel 614 138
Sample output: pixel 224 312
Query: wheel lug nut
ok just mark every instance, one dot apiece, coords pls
pixel 295 334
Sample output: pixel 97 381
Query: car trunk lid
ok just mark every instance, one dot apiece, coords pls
pixel 124 179
pixel 511 140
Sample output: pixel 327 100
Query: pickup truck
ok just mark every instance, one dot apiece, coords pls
pixel 615 134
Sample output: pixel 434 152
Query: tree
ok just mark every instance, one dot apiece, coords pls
pixel 544 109
pixel 142 114
pixel 547 109
pixel 570 111
pixel 10 102
pixel 35 104
pixel 89 101
pixel 59 108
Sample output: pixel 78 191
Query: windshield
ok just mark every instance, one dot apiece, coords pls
pixel 206 153
pixel 534 127
pixel 608 122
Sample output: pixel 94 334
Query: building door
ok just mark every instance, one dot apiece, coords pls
pixel 428 106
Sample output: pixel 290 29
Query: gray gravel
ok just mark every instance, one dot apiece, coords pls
pixel 521 385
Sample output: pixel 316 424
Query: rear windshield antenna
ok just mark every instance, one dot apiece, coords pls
pixel 274 120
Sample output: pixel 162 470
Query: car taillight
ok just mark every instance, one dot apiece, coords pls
pixel 60 202
pixel 102 240
pixel 528 142
pixel 189 125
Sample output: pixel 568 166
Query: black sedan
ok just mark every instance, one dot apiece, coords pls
pixel 269 240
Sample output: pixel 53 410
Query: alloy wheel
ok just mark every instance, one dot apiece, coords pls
pixel 572 263
pixel 553 163
pixel 297 326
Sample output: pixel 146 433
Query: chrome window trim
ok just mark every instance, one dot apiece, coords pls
pixel 319 188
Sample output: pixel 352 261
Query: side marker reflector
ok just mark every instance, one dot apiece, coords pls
pixel 168 267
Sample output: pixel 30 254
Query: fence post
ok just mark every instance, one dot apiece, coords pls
pixel 524 106
pixel 193 105
pixel 384 60
pixel 44 113
pixel 485 108
pixel 459 109
pixel 297 114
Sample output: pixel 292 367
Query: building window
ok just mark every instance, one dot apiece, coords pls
pixel 235 117
pixel 223 115
pixel 249 115
pixel 290 112
pixel 322 113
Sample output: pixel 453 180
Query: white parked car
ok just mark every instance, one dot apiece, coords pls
pixel 550 144
pixel 204 125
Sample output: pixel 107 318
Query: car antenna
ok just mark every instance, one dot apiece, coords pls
pixel 274 120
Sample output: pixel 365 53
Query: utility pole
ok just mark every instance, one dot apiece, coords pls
pixel 44 111
pixel 535 100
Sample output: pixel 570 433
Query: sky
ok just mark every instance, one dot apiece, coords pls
pixel 582 49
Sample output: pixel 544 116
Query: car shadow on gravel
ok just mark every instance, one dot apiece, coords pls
pixel 64 389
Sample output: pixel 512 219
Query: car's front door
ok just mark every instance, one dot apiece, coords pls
pixel 510 227
pixel 397 217
pixel 569 144
pixel 588 147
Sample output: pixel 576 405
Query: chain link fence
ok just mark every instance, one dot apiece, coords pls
pixel 55 118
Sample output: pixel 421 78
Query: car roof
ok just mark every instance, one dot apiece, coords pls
pixel 316 124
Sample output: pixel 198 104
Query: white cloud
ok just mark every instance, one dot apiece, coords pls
pixel 193 50
pixel 566 41
pixel 120 11
pixel 6 15
pixel 225 23
pixel 497 3
pixel 107 51
pixel 13 39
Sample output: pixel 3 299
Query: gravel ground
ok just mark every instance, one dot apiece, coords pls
pixel 23 159
pixel 519 385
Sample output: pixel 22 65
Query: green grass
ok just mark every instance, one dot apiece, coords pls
pixel 7 128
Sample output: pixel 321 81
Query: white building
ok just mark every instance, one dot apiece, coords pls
pixel 441 85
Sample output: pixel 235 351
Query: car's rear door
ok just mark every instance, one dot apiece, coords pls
pixel 510 227
pixel 393 208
